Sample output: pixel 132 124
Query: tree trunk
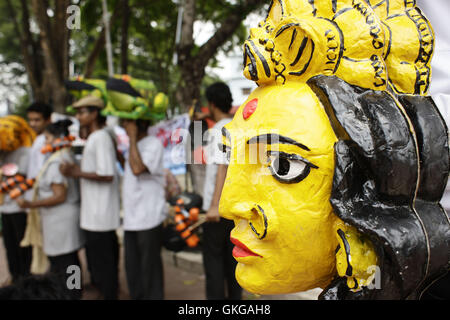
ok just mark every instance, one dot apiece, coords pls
pixel 93 56
pixel 124 41
pixel 190 90
pixel 31 53
pixel 61 38
pixel 54 42
pixel 192 74
pixel 99 44
pixel 193 67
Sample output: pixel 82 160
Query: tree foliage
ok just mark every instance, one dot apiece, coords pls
pixel 143 33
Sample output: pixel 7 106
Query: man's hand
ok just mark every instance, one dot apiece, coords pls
pixel 23 204
pixel 213 214
pixel 134 156
pixel 201 115
pixel 131 129
pixel 70 170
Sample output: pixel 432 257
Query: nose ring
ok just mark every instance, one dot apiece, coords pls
pixel 259 211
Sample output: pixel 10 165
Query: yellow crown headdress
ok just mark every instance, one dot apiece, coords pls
pixel 373 44
pixel 15 133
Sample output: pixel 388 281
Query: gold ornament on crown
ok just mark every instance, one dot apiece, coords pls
pixel 374 44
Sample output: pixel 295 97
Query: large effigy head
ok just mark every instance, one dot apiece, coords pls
pixel 338 160
pixel 15 133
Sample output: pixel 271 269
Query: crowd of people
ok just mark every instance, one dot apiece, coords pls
pixel 77 204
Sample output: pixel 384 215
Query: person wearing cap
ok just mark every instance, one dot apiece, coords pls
pixel 100 197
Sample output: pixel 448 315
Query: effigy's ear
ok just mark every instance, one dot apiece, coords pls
pixel 363 265
pixel 356 259
pixel 375 180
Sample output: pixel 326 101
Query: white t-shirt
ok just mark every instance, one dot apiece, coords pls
pixel 37 158
pixel 61 223
pixel 437 12
pixel 144 195
pixel 214 157
pixel 100 201
pixel 36 161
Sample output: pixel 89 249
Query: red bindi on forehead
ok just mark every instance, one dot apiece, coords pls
pixel 250 108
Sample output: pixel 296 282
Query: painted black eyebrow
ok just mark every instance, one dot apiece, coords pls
pixel 267 138
pixel 292 157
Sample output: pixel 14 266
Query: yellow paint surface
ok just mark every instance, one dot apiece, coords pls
pixel 286 221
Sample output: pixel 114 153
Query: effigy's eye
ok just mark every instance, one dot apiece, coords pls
pixel 289 168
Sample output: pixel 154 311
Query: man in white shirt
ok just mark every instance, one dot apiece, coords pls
pixel 218 261
pixel 143 205
pixel 39 117
pixel 100 197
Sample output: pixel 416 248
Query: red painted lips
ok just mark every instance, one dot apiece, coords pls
pixel 240 250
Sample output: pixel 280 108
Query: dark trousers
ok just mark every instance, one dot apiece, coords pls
pixel 59 267
pixel 19 258
pixel 102 253
pixel 218 261
pixel 143 264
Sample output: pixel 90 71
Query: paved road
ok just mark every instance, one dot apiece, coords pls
pixel 180 284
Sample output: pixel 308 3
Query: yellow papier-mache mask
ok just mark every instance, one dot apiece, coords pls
pixel 331 75
pixel 15 133
pixel 298 249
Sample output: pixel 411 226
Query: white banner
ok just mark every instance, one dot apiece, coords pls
pixel 170 133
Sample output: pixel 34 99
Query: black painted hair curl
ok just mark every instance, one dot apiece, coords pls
pixel 392 165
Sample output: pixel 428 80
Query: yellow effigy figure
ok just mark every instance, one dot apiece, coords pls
pixel 338 159
pixel 15 133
